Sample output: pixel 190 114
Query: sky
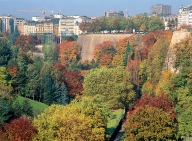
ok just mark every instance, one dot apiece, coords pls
pixel 90 8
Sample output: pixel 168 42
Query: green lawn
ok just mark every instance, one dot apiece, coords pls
pixel 38 107
pixel 116 116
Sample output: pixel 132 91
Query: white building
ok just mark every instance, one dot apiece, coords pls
pixel 185 15
pixel 69 26
pixel 37 19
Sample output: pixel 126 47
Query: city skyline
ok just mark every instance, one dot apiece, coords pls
pixel 83 7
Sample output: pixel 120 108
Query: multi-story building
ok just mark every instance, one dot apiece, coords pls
pixel 160 10
pixel 7 23
pixel 66 26
pixel 0 25
pixel 113 14
pixel 19 21
pixel 185 15
pixel 35 28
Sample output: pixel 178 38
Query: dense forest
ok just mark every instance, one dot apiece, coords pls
pixel 127 74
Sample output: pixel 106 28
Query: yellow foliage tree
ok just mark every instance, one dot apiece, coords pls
pixel 82 120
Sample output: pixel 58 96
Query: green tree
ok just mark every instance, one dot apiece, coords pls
pixel 112 84
pixel 60 94
pixel 46 83
pixel 21 109
pixel 5 52
pixel 156 23
pixel 5 111
pixel 140 19
pixel 14 36
pixel 183 109
pixel 33 74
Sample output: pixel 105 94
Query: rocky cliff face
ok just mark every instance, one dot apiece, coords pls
pixel 88 42
pixel 170 59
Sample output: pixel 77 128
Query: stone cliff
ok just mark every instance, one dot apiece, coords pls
pixel 170 59
pixel 88 42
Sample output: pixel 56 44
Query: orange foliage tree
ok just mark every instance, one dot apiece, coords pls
pixel 104 53
pixel 120 47
pixel 12 70
pixel 69 51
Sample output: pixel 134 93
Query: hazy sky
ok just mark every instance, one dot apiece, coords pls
pixel 91 8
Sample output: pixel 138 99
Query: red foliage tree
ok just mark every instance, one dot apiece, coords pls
pixel 148 42
pixel 26 43
pixel 161 102
pixel 18 130
pixel 74 81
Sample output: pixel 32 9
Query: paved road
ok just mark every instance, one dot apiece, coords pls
pixel 119 135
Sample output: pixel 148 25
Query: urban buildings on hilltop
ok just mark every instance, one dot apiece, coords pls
pixel 185 15
pixel 8 23
pixel 160 10
pixel 113 14
pixel 60 26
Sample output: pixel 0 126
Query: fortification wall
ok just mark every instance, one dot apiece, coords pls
pixel 170 59
pixel 88 42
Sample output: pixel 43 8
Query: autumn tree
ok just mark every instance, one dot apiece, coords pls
pixel 104 52
pixel 69 51
pixel 25 43
pixel 5 78
pixel 73 81
pixel 149 123
pixel 18 130
pixel 85 119
pixel 117 91
pixel 118 59
pixel 140 20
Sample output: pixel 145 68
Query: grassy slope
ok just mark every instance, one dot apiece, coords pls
pixel 37 106
pixel 114 120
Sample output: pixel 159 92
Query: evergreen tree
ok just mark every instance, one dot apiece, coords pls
pixel 47 89
pixel 4 111
pixel 14 36
pixel 5 51
pixel 61 94
pixel 128 49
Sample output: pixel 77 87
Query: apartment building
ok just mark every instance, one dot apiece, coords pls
pixel 113 14
pixel 160 10
pixel 66 26
pixel 185 15
pixel 19 21
pixel 7 23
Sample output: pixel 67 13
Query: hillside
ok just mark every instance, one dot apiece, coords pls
pixel 88 42
pixel 38 107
